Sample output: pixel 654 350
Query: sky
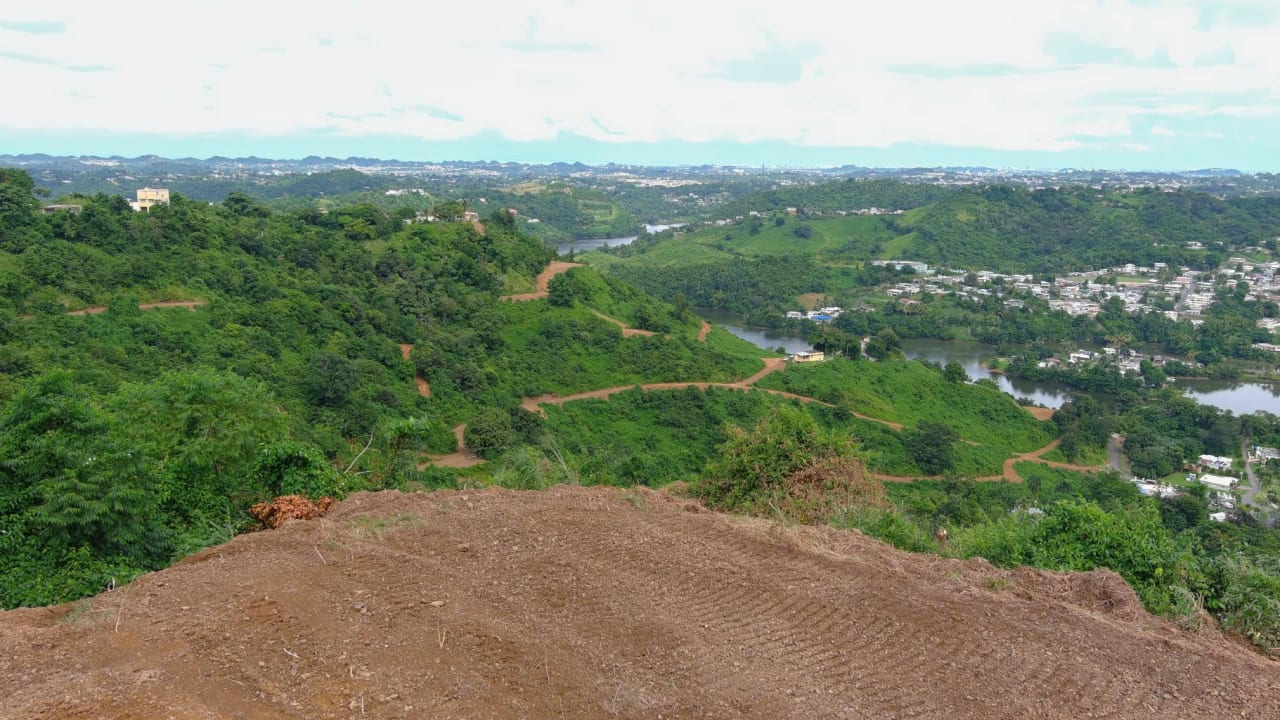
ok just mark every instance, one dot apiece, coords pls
pixel 1120 84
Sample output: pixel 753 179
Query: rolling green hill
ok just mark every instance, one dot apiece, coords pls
pixel 161 371
pixel 773 258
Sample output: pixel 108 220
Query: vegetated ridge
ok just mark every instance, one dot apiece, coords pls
pixel 600 602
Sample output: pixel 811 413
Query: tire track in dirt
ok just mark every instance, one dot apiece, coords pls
pixel 598 602
pixel 801 634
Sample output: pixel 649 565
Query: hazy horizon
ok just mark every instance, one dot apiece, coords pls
pixel 1162 85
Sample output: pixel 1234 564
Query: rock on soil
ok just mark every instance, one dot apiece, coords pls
pixel 289 507
pixel 604 603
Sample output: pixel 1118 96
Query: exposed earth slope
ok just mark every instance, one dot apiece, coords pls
pixel 589 603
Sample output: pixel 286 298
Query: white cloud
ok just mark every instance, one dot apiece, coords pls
pixel 644 71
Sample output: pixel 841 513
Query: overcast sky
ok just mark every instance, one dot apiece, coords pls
pixel 1168 84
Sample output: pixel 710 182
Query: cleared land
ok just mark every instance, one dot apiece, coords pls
pixel 591 603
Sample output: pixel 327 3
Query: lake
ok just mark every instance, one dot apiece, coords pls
pixel 1238 397
pixel 596 243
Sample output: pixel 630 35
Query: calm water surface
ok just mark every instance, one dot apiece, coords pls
pixel 597 243
pixel 1238 397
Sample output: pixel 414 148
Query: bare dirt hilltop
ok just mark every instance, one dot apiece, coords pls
pixel 601 603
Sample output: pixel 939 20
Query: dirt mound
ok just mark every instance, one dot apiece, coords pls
pixel 289 507
pixel 590 603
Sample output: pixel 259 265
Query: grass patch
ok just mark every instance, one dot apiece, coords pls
pixel 514 284
pixel 377 528
pixel 908 392
pixel 1084 456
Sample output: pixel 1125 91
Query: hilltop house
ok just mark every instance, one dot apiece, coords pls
pixel 149 198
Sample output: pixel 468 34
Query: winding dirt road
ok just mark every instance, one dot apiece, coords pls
pixel 98 309
pixel 627 330
pixel 607 603
pixel 554 268
pixel 771 365
pixel 1034 456
pixel 459 458
pixel 424 389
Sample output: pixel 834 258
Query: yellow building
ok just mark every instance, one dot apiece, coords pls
pixel 147 197
pixel 807 357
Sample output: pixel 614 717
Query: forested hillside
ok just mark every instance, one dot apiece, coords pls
pixel 765 262
pixel 830 197
pixel 160 371
pixel 1013 229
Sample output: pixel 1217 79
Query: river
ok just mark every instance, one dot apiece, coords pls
pixel 596 243
pixel 1238 397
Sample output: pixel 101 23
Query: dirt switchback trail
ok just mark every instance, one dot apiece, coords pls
pixel 534 404
pixel 604 603
pixel 554 268
pixel 1034 456
pixel 424 389
pixel 461 457
pixel 627 330
pixel 98 309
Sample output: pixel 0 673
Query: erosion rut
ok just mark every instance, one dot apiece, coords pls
pixel 600 603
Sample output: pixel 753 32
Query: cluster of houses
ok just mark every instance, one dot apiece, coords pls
pixel 821 315
pixel 1076 294
pixel 1124 359
pixel 1081 293
pixel 1221 500
pixel 1263 455
pixel 793 212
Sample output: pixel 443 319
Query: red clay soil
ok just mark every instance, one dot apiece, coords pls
pixel 459 458
pixel 704 331
pixel 604 603
pixel 289 507
pixel 423 388
pixel 553 269
pixel 1039 413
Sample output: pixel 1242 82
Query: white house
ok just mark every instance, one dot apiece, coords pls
pixel 1218 482
pixel 1215 462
